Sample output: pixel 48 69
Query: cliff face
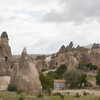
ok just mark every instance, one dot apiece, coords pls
pixel 95 55
pixel 40 63
pixel 72 56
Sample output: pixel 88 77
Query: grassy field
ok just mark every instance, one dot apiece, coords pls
pixel 4 95
pixel 89 77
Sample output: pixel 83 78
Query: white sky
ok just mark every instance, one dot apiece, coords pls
pixel 42 26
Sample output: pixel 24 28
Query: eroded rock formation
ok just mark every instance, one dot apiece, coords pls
pixel 41 63
pixel 26 77
pixel 6 61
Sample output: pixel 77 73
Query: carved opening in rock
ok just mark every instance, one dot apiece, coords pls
pixel 12 67
pixel 6 58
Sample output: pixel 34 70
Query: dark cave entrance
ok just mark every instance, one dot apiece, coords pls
pixel 6 58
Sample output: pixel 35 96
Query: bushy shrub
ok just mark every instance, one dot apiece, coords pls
pixel 62 96
pixel 59 94
pixel 12 88
pixel 81 65
pixel 61 70
pixel 53 67
pixel 46 81
pixel 21 97
pixel 39 95
pixel 85 93
pixel 98 78
pixel 43 70
pixel 72 78
pixel 77 95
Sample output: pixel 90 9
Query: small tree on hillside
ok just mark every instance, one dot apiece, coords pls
pixel 98 78
pixel 60 71
pixel 47 82
pixel 72 78
pixel 81 65
pixel 53 75
pixel 83 80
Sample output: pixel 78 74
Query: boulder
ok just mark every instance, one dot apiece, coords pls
pixel 4 82
pixel 26 77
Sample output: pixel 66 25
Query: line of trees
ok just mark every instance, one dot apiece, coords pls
pixel 48 80
pixel 87 66
pixel 73 77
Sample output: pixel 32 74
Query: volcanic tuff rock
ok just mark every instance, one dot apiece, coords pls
pixel 73 56
pixel 25 75
pixel 95 54
pixel 4 82
pixel 40 63
pixel 62 49
pixel 6 61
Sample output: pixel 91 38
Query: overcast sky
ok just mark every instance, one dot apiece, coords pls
pixel 42 26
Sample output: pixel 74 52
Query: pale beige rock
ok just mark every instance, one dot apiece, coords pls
pixel 25 76
pixel 6 61
pixel 40 63
pixel 4 82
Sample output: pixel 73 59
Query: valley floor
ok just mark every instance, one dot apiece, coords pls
pixel 5 95
pixel 80 91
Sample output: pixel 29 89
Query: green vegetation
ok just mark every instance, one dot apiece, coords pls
pixel 83 66
pixel 4 95
pixel 59 94
pixel 43 70
pixel 21 97
pixel 90 66
pixel 11 88
pixel 85 93
pixel 75 79
pixel 39 95
pixel 77 95
pixel 98 78
pixel 72 78
pixel 53 75
pixel 83 80
pixel 89 77
pixel 60 71
pixel 46 81
pixel 53 67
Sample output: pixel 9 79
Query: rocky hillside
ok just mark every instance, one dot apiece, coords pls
pixel 70 56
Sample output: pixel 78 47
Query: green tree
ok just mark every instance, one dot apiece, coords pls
pixel 90 66
pixel 72 78
pixel 98 78
pixel 83 80
pixel 53 75
pixel 46 81
pixel 81 65
pixel 60 71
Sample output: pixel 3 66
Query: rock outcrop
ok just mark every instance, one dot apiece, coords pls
pixel 62 49
pixel 6 61
pixel 95 54
pixel 26 77
pixel 40 63
pixel 4 82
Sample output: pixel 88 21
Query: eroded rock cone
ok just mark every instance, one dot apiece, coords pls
pixel 26 77
pixel 6 61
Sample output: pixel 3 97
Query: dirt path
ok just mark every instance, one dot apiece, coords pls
pixel 73 92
